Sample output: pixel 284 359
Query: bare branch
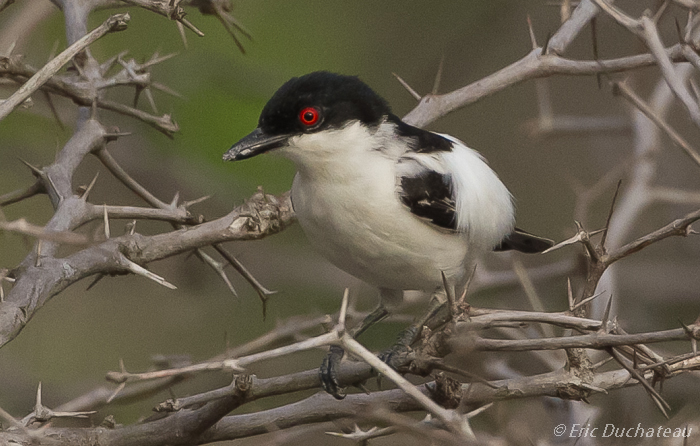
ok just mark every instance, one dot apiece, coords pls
pixel 678 140
pixel 21 226
pixel 679 227
pixel 595 340
pixel 19 195
pixel 170 9
pixel 116 22
pixel 261 216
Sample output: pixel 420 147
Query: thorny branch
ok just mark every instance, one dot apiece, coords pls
pixel 201 418
pixel 116 22
pixel 320 407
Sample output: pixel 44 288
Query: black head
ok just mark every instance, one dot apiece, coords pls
pixel 330 100
pixel 311 103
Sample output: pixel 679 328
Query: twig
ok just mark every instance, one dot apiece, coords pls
pixel 21 226
pixel 534 65
pixel 653 41
pixel 121 174
pixel 596 341
pixel 678 140
pixel 116 22
pixel 263 292
pixel 658 400
pixel 111 164
pixel 679 227
pixel 169 9
pixel 5 3
pixel 610 215
pixel 19 195
pixel 239 364
pixel 451 419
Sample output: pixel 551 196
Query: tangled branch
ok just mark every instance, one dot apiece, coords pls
pixel 203 418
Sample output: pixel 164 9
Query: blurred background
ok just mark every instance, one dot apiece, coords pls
pixel 80 335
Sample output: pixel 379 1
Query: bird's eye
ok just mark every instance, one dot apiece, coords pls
pixel 309 116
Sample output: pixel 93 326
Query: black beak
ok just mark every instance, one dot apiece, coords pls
pixel 255 143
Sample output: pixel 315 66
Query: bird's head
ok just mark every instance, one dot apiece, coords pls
pixel 310 105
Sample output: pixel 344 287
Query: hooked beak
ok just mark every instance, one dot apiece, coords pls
pixel 255 143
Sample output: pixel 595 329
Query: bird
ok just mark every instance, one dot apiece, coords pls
pixel 398 207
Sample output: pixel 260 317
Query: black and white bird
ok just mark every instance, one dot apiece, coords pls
pixel 394 205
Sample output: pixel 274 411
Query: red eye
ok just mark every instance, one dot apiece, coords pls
pixel 309 116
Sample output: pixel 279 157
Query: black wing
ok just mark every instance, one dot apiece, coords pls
pixel 522 241
pixel 428 194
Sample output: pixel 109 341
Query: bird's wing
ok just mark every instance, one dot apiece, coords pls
pixel 428 193
pixel 444 181
pixel 450 186
pixel 423 183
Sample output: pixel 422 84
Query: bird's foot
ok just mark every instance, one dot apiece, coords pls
pixel 328 372
pixel 399 357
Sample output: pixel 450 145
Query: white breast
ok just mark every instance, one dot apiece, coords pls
pixel 346 201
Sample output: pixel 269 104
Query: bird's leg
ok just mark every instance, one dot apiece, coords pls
pixel 328 371
pixel 396 356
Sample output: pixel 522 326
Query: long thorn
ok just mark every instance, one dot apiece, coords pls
pixel 105 217
pixel 610 214
pixel 586 300
pixel 449 292
pixel 54 112
pixel 438 76
pixel 343 311
pixel 94 282
pixel 37 261
pixel 533 40
pixel 407 87
pixel 569 294
pixel 156 59
pixel 35 170
pixel 545 47
pixel 594 43
pixel 606 316
pixel 141 271
pixel 187 204
pixel 183 35
pixel 38 396
pixel 88 189
pixel 243 271
pixel 116 392
pixel 189 25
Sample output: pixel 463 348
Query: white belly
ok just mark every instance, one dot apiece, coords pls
pixel 362 227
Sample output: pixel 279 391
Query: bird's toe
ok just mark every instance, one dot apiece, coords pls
pixel 398 357
pixel 328 373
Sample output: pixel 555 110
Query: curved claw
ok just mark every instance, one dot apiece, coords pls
pixel 328 374
pixel 398 357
